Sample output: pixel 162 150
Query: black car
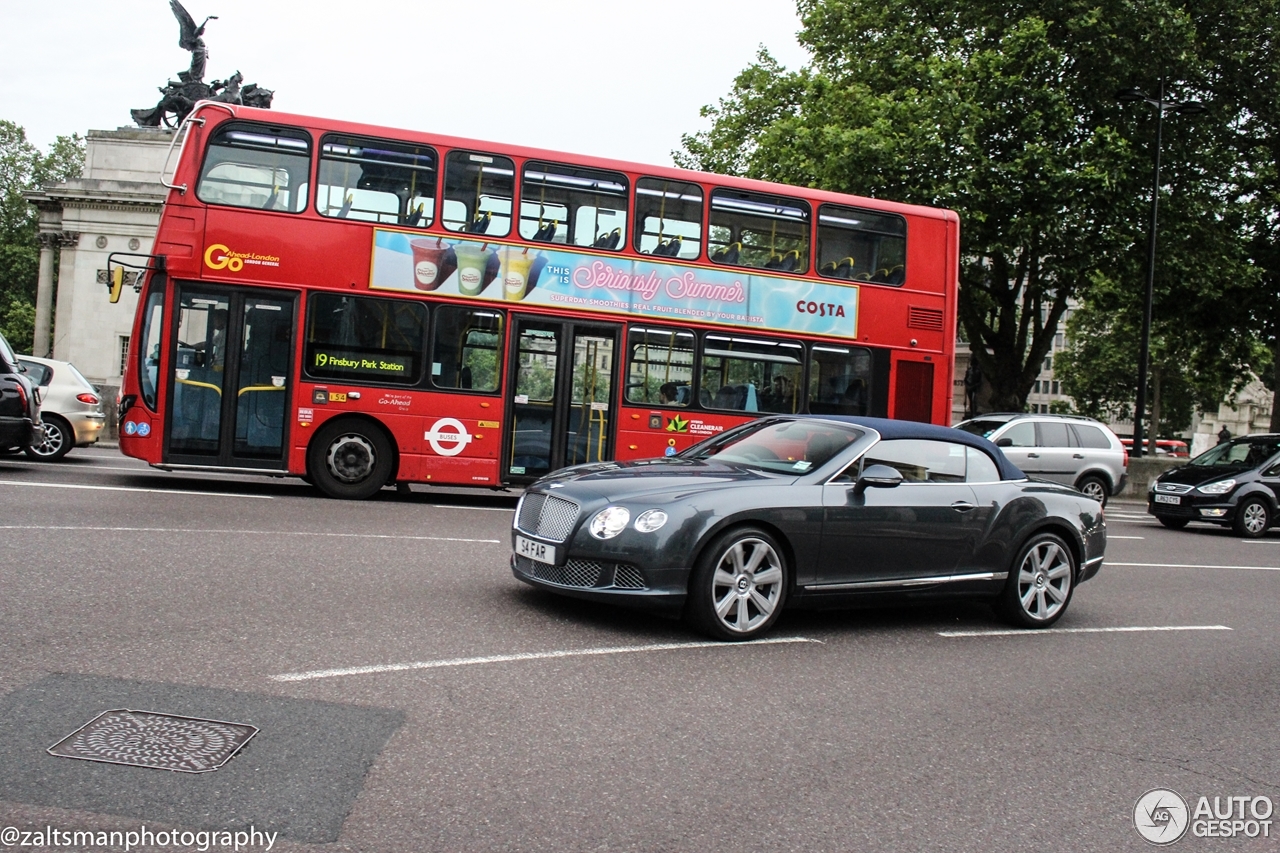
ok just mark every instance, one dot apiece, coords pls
pixel 19 403
pixel 1236 484
pixel 800 510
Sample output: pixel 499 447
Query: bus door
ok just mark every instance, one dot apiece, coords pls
pixel 231 354
pixel 563 403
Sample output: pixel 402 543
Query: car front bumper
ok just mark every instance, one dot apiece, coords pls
pixel 655 590
pixel 1193 509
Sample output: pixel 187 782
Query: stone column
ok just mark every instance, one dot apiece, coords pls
pixel 43 345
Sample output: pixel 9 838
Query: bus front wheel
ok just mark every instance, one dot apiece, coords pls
pixel 349 459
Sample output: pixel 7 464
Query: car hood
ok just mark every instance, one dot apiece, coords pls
pixel 655 478
pixel 1196 475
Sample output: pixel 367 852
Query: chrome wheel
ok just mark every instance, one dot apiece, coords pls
pixel 746 586
pixel 1252 519
pixel 1094 488
pixel 351 458
pixel 57 443
pixel 1044 580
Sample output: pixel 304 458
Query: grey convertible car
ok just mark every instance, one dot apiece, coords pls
pixel 816 511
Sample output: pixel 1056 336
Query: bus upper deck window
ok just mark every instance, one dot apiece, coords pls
pixel 861 245
pixel 573 206
pixel 376 181
pixel 668 218
pixel 256 166
pixel 478 189
pixel 749 229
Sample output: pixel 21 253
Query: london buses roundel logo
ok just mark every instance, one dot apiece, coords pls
pixel 449 443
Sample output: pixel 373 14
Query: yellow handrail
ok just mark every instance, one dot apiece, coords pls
pixel 199 384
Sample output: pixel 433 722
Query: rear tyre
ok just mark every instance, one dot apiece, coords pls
pixel 739 585
pixel 1094 487
pixel 350 460
pixel 59 438
pixel 1040 583
pixel 1173 523
pixel 1253 517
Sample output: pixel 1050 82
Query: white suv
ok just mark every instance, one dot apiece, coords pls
pixel 1068 449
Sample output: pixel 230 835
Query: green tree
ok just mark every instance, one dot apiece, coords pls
pixel 22 168
pixel 1003 113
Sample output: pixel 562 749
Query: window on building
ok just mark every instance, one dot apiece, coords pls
pixel 124 353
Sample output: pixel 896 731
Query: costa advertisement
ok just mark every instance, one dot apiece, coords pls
pixel 494 271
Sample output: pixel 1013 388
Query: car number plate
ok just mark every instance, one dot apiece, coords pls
pixel 1168 499
pixel 535 550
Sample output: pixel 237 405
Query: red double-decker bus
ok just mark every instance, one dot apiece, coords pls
pixel 365 307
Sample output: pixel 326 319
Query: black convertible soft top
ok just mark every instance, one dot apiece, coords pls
pixel 911 429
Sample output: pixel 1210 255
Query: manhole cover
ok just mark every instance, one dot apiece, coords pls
pixel 161 741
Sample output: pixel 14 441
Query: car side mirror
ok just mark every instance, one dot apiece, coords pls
pixel 877 477
pixel 1004 442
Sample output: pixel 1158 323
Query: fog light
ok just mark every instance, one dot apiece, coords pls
pixel 1213 513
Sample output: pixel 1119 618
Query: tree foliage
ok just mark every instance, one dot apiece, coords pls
pixel 23 168
pixel 1006 113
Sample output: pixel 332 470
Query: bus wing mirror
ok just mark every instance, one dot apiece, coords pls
pixel 116 283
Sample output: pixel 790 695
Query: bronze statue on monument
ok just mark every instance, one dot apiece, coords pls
pixel 178 97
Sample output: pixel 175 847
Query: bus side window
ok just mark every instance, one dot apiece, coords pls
pixel 466 349
pixel 574 206
pixel 256 166
pixel 861 245
pixel 752 374
pixel 668 219
pixel 375 181
pixel 361 338
pixel 659 367
pixel 478 189
pixel 749 229
pixel 839 380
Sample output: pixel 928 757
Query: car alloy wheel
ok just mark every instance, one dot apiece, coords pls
pixel 739 586
pixel 1252 519
pixel 1094 488
pixel 1040 586
pixel 57 443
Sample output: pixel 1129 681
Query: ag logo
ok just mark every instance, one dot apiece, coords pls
pixel 1160 816
pixel 458 437
pixel 675 423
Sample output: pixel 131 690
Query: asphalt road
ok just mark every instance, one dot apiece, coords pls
pixel 411 695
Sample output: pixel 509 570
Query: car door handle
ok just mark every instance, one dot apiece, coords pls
pixel 1033 455
pixel 962 506
pixel 1077 455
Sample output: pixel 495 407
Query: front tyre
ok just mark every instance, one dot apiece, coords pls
pixel 739 585
pixel 1253 517
pixel 1040 583
pixel 58 440
pixel 350 459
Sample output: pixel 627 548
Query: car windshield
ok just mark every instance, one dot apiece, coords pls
pixel 782 447
pixel 1240 452
pixel 983 428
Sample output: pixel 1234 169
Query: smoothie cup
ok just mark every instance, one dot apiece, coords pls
pixel 515 274
pixel 471 263
pixel 428 256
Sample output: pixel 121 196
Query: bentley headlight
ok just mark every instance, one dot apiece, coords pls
pixel 609 522
pixel 651 520
pixel 1221 487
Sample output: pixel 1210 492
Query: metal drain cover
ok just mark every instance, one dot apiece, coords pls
pixel 160 741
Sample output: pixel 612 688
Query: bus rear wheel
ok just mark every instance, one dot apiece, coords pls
pixel 351 460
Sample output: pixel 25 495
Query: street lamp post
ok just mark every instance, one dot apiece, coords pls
pixel 1144 350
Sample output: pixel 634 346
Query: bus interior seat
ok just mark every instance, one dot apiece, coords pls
pixel 480 225
pixel 897 275
pixel 727 398
pixel 545 233
pixel 669 248
pixel 728 255
pixel 750 403
pixel 346 206
pixel 608 239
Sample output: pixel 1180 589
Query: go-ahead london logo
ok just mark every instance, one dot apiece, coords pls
pixel 1161 816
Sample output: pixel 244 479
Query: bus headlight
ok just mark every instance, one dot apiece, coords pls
pixel 651 520
pixel 609 522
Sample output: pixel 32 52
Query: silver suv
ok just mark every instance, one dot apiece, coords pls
pixel 1069 449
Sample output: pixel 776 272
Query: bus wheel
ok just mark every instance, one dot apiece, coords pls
pixel 349 459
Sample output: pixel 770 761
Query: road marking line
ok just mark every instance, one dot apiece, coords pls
pixel 1262 541
pixel 259 532
pixel 133 489
pixel 523 656
pixel 1189 566
pixel 484 508
pixel 86 469
pixel 1033 633
pixel 1110 537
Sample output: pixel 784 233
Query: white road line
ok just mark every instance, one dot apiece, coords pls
pixel 523 656
pixel 1110 537
pixel 483 508
pixel 1130 630
pixel 251 532
pixel 133 489
pixel 1189 566
pixel 1261 541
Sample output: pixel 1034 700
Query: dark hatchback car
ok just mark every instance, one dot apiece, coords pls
pixel 19 403
pixel 1236 484
pixel 818 511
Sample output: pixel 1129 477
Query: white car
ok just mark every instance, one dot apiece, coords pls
pixel 70 407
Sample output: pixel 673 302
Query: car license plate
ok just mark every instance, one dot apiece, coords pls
pixel 535 550
pixel 1168 499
